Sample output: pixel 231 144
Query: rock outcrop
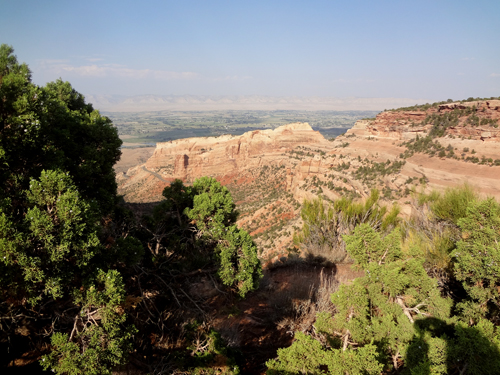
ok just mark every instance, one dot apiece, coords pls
pixel 223 157
pixel 405 125
pixel 271 172
pixel 214 156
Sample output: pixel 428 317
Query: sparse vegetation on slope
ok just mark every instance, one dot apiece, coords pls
pixel 274 205
pixel 325 224
pixel 441 123
pixel 373 170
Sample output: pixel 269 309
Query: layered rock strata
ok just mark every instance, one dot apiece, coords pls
pixel 271 172
pixel 222 157
pixel 404 125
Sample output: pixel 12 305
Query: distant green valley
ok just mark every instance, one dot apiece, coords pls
pixel 161 126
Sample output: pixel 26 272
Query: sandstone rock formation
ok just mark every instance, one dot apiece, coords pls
pixel 221 157
pixel 271 172
pixel 404 125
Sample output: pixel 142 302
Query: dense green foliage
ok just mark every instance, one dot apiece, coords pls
pixel 57 240
pixel 399 317
pixel 206 209
pixel 104 345
pixel 57 190
pixel 308 356
pixel 477 260
pixel 84 144
pixel 77 288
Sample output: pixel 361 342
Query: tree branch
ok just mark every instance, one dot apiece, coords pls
pixel 401 303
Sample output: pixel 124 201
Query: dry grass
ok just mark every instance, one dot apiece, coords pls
pixel 298 303
pixel 434 237
pixel 336 254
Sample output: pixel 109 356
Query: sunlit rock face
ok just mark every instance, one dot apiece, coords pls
pixel 404 125
pixel 221 157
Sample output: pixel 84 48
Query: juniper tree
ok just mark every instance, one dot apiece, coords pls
pixel 214 215
pixel 98 340
pixel 400 311
pixel 308 356
pixel 213 207
pixel 194 227
pixel 57 189
pixel 52 128
pixel 477 260
pixel 375 315
pixel 394 292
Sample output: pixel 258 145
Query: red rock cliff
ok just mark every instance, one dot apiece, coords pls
pixel 227 155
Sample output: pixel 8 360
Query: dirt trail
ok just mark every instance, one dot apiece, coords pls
pixel 154 174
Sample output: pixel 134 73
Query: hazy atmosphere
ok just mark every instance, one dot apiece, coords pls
pixel 422 50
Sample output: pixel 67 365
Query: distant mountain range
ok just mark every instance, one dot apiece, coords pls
pixel 116 103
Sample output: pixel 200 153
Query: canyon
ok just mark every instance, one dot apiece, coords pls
pixel 271 172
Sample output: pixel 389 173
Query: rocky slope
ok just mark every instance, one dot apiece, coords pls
pixel 270 172
pixel 404 125
pixel 226 157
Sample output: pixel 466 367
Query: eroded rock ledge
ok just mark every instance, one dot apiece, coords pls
pixel 222 157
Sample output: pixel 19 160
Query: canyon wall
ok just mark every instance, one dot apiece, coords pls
pixel 404 125
pixel 270 172
pixel 224 157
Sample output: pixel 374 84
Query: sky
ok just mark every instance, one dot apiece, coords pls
pixel 432 49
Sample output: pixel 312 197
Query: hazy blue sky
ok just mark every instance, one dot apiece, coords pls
pixel 430 49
